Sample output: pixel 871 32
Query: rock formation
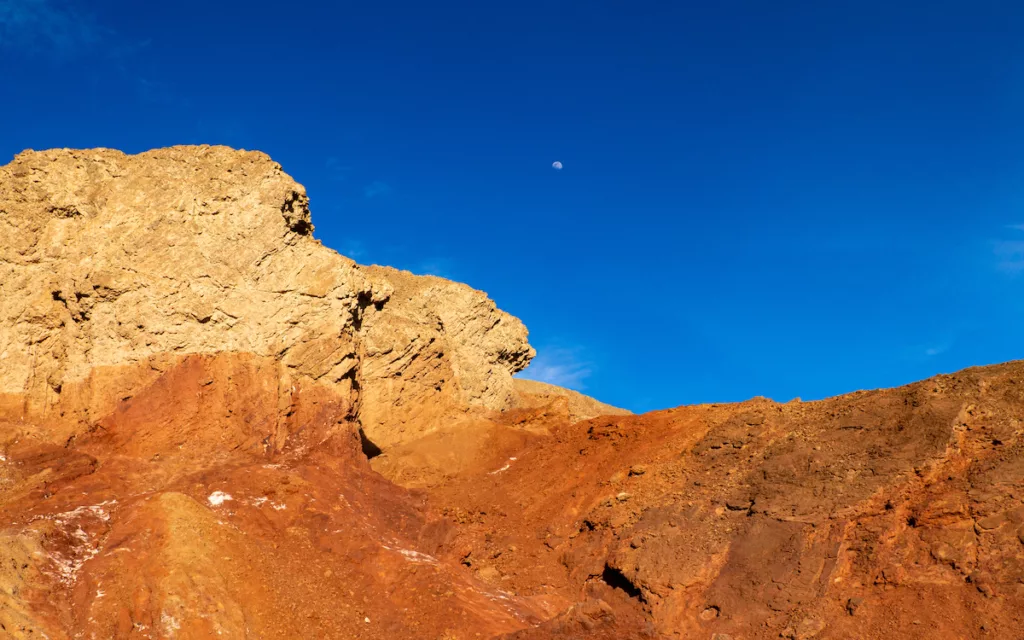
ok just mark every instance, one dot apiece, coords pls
pixel 213 426
pixel 110 260
pixel 531 393
pixel 894 513
pixel 434 350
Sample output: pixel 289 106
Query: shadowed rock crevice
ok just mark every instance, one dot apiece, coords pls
pixel 615 579
pixel 295 210
pixel 369 449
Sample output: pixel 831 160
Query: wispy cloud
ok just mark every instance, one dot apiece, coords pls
pixel 1009 255
pixel 560 366
pixel 353 249
pixel 931 347
pixel 158 92
pixel 51 27
pixel 1016 227
pixel 440 267
pixel 336 171
pixel 376 189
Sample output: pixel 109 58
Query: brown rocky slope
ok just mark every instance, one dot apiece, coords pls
pixel 212 426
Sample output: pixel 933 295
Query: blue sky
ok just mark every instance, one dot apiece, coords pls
pixel 779 199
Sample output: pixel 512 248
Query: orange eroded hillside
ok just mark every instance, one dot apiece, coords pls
pixel 211 426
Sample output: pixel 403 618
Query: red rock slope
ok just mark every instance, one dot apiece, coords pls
pixel 211 426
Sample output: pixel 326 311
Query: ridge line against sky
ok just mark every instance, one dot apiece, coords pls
pixel 782 201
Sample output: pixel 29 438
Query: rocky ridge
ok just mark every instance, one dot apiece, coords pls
pixel 212 426
pixel 108 261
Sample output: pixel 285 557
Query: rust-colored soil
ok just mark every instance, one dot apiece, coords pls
pixel 213 503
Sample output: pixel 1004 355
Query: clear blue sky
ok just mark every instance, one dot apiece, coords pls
pixel 758 198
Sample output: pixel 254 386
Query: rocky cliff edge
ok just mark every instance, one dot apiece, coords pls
pixel 115 266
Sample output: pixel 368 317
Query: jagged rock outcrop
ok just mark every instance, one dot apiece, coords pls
pixel 190 385
pixel 111 264
pixel 416 375
pixel 878 514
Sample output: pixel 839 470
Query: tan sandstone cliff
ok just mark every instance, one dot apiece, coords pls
pixel 113 266
pixel 185 372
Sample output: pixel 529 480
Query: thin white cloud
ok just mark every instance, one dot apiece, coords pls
pixel 158 92
pixel 1009 255
pixel 559 366
pixel 336 171
pixel 376 189
pixel 934 347
pixel 1016 227
pixel 353 249
pixel 50 27
pixel 440 267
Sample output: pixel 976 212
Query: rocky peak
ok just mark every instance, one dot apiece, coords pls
pixel 110 262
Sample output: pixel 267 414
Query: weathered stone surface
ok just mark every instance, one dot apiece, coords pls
pixel 898 505
pixel 532 393
pixel 112 259
pixel 201 508
pixel 418 373
pixel 184 373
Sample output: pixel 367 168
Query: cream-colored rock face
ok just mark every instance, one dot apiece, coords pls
pixel 418 375
pixel 108 259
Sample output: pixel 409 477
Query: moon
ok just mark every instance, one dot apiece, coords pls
pixel 556 165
